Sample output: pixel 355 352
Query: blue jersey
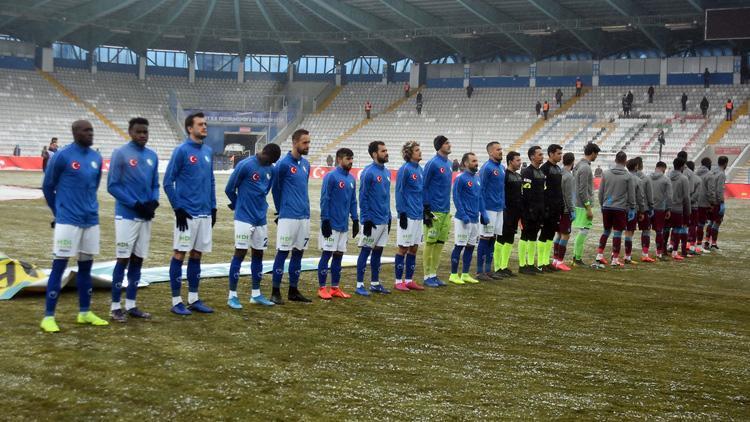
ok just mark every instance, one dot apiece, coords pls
pixel 189 180
pixel 437 182
pixel 492 176
pixel 290 187
pixel 409 186
pixel 133 177
pixel 247 189
pixel 70 184
pixel 338 199
pixel 467 197
pixel 375 194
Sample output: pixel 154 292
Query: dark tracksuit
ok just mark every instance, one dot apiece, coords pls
pixel 513 205
pixel 553 200
pixel 532 200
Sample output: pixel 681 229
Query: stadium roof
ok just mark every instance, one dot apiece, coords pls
pixel 392 29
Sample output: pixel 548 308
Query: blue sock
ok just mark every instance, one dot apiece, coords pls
pixel 278 268
pixel 295 266
pixel 480 255
pixel 193 274
pixel 364 253
pixel 118 274
pixel 134 276
pixel 83 282
pixel 399 266
pixel 455 258
pixel 488 255
pixel 411 265
pixel 234 273
pixel 336 270
pixel 375 263
pixel 468 252
pixel 53 285
pixel 175 276
pixel 256 268
pixel 323 267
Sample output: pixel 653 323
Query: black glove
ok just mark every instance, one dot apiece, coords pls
pixel 355 228
pixel 276 220
pixel 325 229
pixel 403 221
pixel 143 211
pixel 182 217
pixel 213 217
pixel 428 216
pixel 483 219
pixel 152 205
pixel 368 228
pixel 389 226
pixel 52 224
pixel 230 206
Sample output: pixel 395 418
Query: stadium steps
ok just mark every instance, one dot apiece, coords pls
pixel 324 105
pixel 68 93
pixel 724 126
pixel 364 122
pixel 539 124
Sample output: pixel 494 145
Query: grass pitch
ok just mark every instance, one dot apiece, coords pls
pixel 657 341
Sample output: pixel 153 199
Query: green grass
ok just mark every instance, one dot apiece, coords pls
pixel 658 341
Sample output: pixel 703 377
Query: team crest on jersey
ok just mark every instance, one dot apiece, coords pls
pixel 293 170
pixel 133 162
pixel 442 169
pixel 469 183
pixel 94 165
pixel 379 179
pixel 193 159
pixel 414 176
pixel 341 184
pixel 495 172
pixel 75 165
pixel 256 176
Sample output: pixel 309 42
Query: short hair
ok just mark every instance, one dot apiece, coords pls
pixel 298 134
pixel 511 156
pixel 661 165
pixel 678 163
pixel 374 146
pixel 632 164
pixel 53 140
pixel 491 144
pixel 533 151
pixel 272 151
pixel 591 148
pixel 683 155
pixel 639 163
pixel 553 149
pixel 137 121
pixel 190 118
pixel 408 149
pixel 706 162
pixel 723 160
pixel 621 157
pixel 344 152
pixel 690 165
pixel 465 158
pixel 568 158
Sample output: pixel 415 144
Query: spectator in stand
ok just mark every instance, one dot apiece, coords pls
pixel 329 161
pixel 545 109
pixel 368 108
pixel 419 104
pixel 455 166
pixel 625 110
pixel 17 151
pixel 598 172
pixel 651 94
pixel 558 97
pixel 706 78
pixel 704 107
pixel 407 88
pixel 630 99
pixel 683 100
pixel 538 108
pixel 729 106
pixel 662 141
pixel 469 90
pixel 579 86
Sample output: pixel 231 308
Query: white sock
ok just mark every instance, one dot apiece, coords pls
pixel 115 306
pixel 360 284
pixel 409 281
pixel 374 283
pixel 255 293
pixel 427 277
pixel 628 258
pixel 599 256
pixel 129 304
pixel 192 297
pixel 176 300
pixel 232 293
pixel 399 282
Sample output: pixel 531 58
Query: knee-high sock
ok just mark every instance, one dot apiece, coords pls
pixel 699 233
pixel 541 247
pixel 437 252
pixel 256 268
pixel 336 270
pixel 531 249
pixel 580 242
pixel 715 234
pixel 507 249
pixel 497 255
pixel 175 276
pixel 364 253
pixel 523 247
pixel 234 273
pixel 375 264
pixel 488 255
pixel 675 239
pixel 455 258
pixel 556 246
pixel 616 243
pixel 468 252
pixel 411 265
pixel 427 260
pixel 691 233
pixel 628 245
pixel 659 242
pixel 548 251
pixel 83 282
pixel 562 248
pixel 683 240
pixel 53 285
pixel 118 275
pixel 399 268
pixel 603 241
pixel 482 249
pixel 193 274
pixel 645 241
pixel 295 266
pixel 134 276
pixel 323 267
pixel 278 267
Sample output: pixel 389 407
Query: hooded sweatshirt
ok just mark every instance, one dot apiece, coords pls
pixel 715 184
pixel 640 196
pixel 703 172
pixel 661 187
pixel 648 192
pixel 697 190
pixel 617 189
pixel 584 183
pixel 680 192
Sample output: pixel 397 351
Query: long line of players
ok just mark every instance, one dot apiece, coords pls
pixel 545 199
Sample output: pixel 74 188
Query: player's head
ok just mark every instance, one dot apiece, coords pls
pixel 138 130
pixel 411 152
pixel 568 159
pixel 591 151
pixel 632 165
pixel 535 155
pixel 554 152
pixel 378 152
pixel 706 162
pixel 723 161
pixel 621 158
pixel 683 155
pixel 678 164
pixel 661 167
pixel 344 158
pixel 196 126
pixel 83 132
pixel 53 144
pixel 513 159
pixel 442 145
pixel 495 151
pixel 469 162
pixel 301 141
pixel 638 163
pixel 690 165
pixel 270 154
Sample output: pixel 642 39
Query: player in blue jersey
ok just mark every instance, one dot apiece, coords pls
pixel 70 184
pixel 247 189
pixel 191 189
pixel 133 181
pixel 492 175
pixel 410 209
pixel 338 202
pixel 437 207
pixel 375 213
pixel 292 204
pixel 470 212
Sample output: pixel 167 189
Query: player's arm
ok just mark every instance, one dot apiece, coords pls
pixel 602 183
pixel 401 177
pixel 364 203
pixel 457 198
pixel 567 188
pixel 484 173
pixel 325 196
pixel 483 217
pixel 632 201
pixel 427 174
pixel 649 191
pixel 526 188
pixel 279 172
pixel 170 175
pixel 99 174
pixel 686 197
pixel 55 168
pixel 353 203
pixel 232 184
pixel 668 194
pixel 720 181
pixel 155 180
pixel 114 181
pixel 213 188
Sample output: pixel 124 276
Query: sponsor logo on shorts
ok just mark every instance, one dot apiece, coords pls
pixel 184 238
pixel 241 236
pixel 133 162
pixel 285 239
pixel 193 159
pixel 75 165
pixel 64 244
pixel 122 244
